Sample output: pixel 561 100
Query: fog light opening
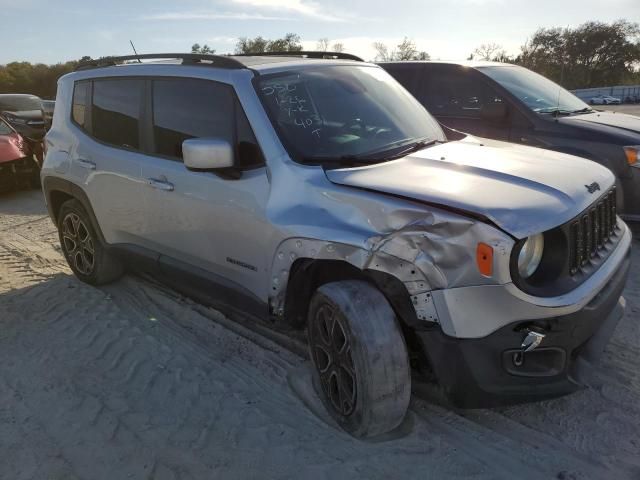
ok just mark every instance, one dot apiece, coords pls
pixel 518 359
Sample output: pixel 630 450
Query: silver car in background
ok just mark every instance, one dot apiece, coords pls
pixel 319 195
pixel 604 100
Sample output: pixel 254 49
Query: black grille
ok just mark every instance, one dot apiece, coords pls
pixel 590 232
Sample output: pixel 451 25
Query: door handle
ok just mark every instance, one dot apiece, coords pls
pixel 160 184
pixel 84 163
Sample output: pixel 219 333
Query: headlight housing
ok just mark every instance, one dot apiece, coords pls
pixel 530 255
pixel 633 155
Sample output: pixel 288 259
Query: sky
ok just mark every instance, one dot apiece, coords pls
pixel 51 31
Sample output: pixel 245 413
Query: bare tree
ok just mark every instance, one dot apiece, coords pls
pixel 405 50
pixel 382 52
pixel 322 45
pixel 488 51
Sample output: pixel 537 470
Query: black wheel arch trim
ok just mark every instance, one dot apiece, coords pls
pixel 54 184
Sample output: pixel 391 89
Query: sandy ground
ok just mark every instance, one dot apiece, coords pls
pixel 133 381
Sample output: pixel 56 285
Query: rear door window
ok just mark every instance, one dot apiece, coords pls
pixel 116 111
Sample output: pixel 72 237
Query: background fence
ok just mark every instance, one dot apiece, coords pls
pixel 626 93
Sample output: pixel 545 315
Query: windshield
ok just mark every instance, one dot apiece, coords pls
pixel 20 104
pixel 536 92
pixel 334 112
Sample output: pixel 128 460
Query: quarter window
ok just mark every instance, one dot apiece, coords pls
pixel 80 101
pixel 116 111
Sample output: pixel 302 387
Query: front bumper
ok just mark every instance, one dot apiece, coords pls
pixel 32 133
pixel 631 190
pixel 18 173
pixel 481 372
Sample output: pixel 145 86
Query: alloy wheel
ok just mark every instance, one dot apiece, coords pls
pixel 78 244
pixel 331 352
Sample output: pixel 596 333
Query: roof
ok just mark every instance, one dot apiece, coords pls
pixel 463 63
pixel 232 62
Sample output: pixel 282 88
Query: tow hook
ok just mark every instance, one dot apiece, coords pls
pixel 531 341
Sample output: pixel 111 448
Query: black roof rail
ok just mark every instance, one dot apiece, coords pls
pixel 220 61
pixel 304 54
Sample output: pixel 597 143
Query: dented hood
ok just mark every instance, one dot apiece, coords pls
pixel 523 190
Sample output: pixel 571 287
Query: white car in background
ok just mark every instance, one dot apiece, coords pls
pixel 604 100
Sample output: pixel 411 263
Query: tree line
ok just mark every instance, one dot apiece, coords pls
pixel 594 54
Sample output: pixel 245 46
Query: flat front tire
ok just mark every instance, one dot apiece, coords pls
pixel 89 259
pixel 360 357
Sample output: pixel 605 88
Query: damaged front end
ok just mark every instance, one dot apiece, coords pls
pixel 18 165
pixel 484 338
pixel 424 250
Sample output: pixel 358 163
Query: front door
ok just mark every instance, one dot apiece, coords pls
pixel 212 222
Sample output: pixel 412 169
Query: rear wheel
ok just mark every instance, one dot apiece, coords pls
pixel 90 261
pixel 360 357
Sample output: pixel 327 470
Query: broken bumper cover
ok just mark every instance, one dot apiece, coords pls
pixel 18 173
pixel 485 372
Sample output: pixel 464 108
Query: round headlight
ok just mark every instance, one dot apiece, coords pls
pixel 530 255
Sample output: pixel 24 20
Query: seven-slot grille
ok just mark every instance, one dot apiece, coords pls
pixel 592 230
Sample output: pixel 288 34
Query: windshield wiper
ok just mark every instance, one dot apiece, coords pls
pixel 555 111
pixel 583 110
pixel 408 149
pixel 340 160
pixel 371 157
pixel 562 111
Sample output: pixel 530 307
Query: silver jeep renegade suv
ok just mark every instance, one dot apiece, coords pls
pixel 317 194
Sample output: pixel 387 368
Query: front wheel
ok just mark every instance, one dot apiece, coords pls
pixel 360 357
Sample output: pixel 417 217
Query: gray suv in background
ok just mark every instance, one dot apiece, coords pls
pixel 317 194
pixel 511 103
pixel 25 113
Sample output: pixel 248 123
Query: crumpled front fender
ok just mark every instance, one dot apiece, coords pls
pixel 433 250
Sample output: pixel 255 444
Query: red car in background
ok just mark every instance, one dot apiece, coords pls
pixel 19 166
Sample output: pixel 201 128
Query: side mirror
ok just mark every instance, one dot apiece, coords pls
pixel 496 111
pixel 207 154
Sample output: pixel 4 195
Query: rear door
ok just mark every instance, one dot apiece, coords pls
pixel 208 221
pixel 106 158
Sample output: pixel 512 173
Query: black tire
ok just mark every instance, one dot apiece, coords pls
pixel 90 261
pixel 368 388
